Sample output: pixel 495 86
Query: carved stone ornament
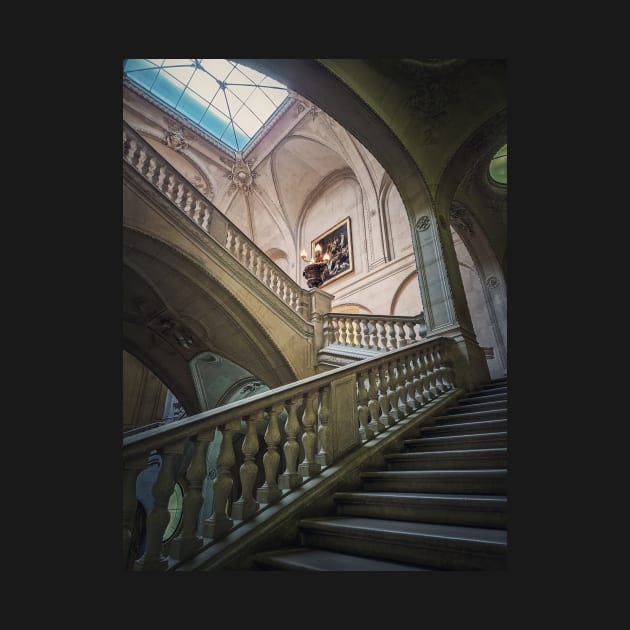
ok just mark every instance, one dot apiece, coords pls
pixel 492 282
pixel 173 331
pixel 460 219
pixel 176 137
pixel 423 223
pixel 241 174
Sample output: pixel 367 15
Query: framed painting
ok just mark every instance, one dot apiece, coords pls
pixel 337 243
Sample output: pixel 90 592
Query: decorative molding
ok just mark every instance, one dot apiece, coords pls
pixel 492 282
pixel 176 137
pixel 241 174
pixel 460 218
pixel 423 223
pixel 173 331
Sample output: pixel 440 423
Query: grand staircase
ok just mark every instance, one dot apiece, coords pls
pixel 439 504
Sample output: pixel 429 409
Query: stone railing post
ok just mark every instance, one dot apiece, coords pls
pixel 159 516
pixel 246 505
pixel 269 491
pixel 218 524
pixel 188 542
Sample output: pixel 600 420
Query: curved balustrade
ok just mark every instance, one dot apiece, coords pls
pixel 324 417
pixel 150 164
pixel 372 332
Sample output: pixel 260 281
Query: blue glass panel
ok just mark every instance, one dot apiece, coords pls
pixel 215 123
pixel 168 89
pixel 144 78
pixel 138 64
pixel 192 107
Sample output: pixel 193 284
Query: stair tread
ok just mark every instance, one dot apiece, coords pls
pixel 485 413
pixel 485 472
pixel 405 497
pixel 372 526
pixel 308 558
pixel 426 454
pixel 471 425
pixel 459 436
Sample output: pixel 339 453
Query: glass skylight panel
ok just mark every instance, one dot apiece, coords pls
pixel 247 121
pixel 201 90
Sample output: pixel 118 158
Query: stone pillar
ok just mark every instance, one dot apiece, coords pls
pixel 444 299
pixel 321 303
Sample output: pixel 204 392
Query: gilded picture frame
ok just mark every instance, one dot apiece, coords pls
pixel 337 242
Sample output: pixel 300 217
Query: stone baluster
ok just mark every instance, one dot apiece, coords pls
pixel 430 378
pixel 371 336
pixel 161 177
pixel 179 194
pixel 218 524
pixel 151 170
pixel 426 393
pixel 443 363
pixel 401 389
pixel 278 285
pixel 142 156
pixel 291 479
pixel 170 187
pixel 131 470
pixel 269 492
pixel 448 364
pixel 402 341
pixel 365 333
pixel 410 401
pixel 205 221
pixel 365 431
pixel 334 330
pixel 381 338
pixel 437 375
pixel 309 467
pixel 346 331
pixel 392 391
pixel 385 418
pixel 188 542
pixel 159 517
pixel 188 203
pixel 411 331
pixel 247 506
pixel 323 458
pixel 417 384
pixel 229 240
pixel 326 330
pixel 391 335
pixel 375 423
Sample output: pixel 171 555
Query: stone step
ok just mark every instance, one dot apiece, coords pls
pixel 459 441
pixel 464 416
pixel 493 391
pixel 482 481
pixel 311 559
pixel 453 509
pixel 433 545
pixel 448 460
pixel 482 399
pixel 482 406
pixel 455 428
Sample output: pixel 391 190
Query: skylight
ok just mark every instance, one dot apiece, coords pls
pixel 228 100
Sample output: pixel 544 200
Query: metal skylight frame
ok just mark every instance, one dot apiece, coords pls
pixel 229 101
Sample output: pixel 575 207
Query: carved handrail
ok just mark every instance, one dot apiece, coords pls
pixel 372 332
pixel 175 187
pixel 324 417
